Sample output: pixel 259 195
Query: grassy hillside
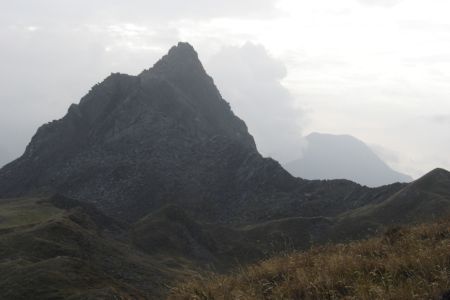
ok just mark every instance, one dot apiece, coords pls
pixel 403 263
pixel 174 232
pixel 64 249
pixel 60 248
pixel 18 212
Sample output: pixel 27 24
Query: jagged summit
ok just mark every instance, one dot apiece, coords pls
pixel 182 68
pixel 182 50
pixel 180 55
pixel 181 60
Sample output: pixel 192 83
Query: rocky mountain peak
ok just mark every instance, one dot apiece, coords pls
pixel 182 50
pixel 181 60
pixel 135 144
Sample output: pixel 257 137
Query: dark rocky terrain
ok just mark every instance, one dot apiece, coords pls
pixel 156 177
pixel 329 156
pixel 59 248
pixel 136 143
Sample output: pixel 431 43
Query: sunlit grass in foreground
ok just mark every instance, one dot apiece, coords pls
pixel 404 263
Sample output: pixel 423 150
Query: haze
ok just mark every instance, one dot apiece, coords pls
pixel 378 70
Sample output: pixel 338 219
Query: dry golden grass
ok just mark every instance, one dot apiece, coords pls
pixel 404 263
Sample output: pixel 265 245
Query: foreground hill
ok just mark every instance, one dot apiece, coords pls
pixel 329 156
pixel 59 248
pixel 67 249
pixel 422 200
pixel 404 263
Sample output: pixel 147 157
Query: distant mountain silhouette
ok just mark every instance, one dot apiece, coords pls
pixel 329 156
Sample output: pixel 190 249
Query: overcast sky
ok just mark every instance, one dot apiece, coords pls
pixel 375 69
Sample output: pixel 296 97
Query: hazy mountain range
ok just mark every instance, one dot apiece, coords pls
pixel 328 156
pixel 151 178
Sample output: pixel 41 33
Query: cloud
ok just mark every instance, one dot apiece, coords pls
pixel 387 155
pixel 442 119
pixel 250 79
pixel 137 11
pixel 5 157
pixel 424 25
pixel 382 3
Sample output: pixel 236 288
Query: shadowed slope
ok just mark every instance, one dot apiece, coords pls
pixel 75 252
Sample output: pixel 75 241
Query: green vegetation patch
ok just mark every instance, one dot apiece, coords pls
pixel 25 211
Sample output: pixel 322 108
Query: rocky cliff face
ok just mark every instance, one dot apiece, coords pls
pixel 166 136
